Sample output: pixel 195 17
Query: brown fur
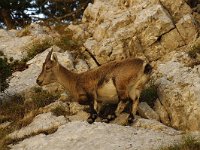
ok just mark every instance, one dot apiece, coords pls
pixel 114 82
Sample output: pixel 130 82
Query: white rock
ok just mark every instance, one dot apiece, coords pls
pixel 40 123
pixel 179 88
pixel 146 111
pixel 81 136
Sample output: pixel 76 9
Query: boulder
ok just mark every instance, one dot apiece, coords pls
pixel 162 113
pixel 42 122
pixel 15 45
pixel 179 86
pixel 187 27
pixel 147 112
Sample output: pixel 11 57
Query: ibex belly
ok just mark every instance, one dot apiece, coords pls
pixel 107 93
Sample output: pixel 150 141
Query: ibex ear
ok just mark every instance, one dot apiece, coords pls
pixel 55 58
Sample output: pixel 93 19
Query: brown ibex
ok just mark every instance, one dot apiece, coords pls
pixel 114 82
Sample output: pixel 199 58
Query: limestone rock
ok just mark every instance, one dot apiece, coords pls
pixel 81 135
pixel 79 32
pixel 155 23
pixel 16 47
pixel 80 116
pixel 155 125
pixel 119 29
pixel 177 8
pixel 41 123
pixel 122 119
pixel 179 88
pixel 146 111
pixel 187 28
pixel 75 108
pixel 172 37
pixel 162 113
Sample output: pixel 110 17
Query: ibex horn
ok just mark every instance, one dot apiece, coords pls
pixel 49 55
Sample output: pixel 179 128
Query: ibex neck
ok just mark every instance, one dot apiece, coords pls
pixel 65 77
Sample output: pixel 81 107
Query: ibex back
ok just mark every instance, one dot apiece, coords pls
pixel 115 82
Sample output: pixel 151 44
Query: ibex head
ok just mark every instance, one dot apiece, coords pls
pixel 49 66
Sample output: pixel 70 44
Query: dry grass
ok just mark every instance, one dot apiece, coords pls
pixel 24 32
pixel 21 114
pixel 195 50
pixel 12 109
pixel 38 46
pixel 59 111
pixel 188 143
pixel 66 42
pixel 7 140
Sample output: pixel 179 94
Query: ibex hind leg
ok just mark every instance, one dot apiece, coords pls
pixel 107 113
pixel 134 105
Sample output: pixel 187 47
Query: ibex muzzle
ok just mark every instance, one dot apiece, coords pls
pixel 114 82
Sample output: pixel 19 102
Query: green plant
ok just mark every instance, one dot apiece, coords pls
pixel 5 72
pixel 38 46
pixel 1 53
pixel 59 111
pixel 65 40
pixel 19 65
pixel 13 109
pixel 149 95
pixel 43 98
pixel 194 50
pixel 187 143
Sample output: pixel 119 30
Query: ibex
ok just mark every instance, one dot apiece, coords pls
pixel 115 82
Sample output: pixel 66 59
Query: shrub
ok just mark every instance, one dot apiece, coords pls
pixel 188 143
pixel 65 40
pixel 5 72
pixel 40 98
pixel 12 109
pixel 37 47
pixel 194 50
pixel 149 95
pixel 59 111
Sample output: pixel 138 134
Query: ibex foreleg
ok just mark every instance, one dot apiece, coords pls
pixel 134 96
pixel 87 99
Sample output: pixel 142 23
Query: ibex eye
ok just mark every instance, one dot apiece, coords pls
pixel 47 68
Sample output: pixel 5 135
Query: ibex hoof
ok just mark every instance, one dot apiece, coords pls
pixel 92 118
pixel 111 117
pixel 106 120
pixel 131 119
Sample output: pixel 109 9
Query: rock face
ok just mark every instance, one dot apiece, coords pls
pixel 15 46
pixel 179 87
pixel 120 29
pixel 117 29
